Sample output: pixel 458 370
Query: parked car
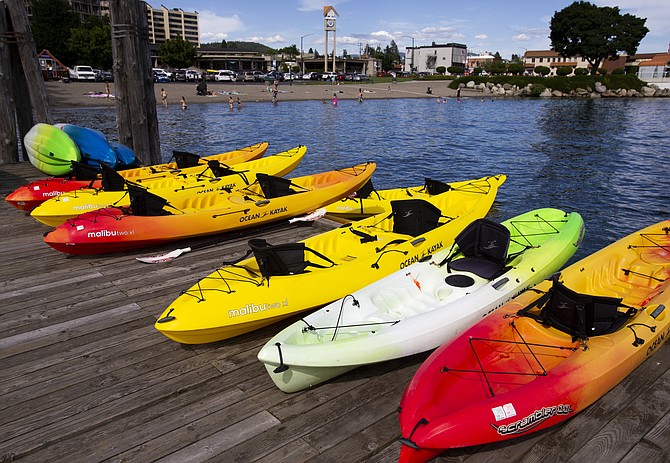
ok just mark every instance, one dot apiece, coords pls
pixel 361 77
pixel 289 76
pixel 192 76
pixel 104 76
pixel 160 77
pixel 272 75
pixel 328 75
pixel 225 76
pixel 308 75
pixel 82 73
pixel 180 75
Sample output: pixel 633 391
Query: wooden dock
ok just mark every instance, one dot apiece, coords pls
pixel 84 376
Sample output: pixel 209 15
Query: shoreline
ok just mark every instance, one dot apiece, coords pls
pixel 91 94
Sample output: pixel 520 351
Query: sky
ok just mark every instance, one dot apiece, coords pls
pixel 484 26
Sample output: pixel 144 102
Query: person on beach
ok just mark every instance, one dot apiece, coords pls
pixel 334 99
pixel 230 101
pixel 164 96
pixel 107 89
pixel 183 103
pixel 239 103
pixel 360 95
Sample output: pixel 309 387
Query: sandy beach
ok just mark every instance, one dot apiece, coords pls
pixel 92 94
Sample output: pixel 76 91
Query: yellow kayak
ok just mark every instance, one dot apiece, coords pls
pixel 57 210
pixel 368 201
pixel 294 277
pixel 189 163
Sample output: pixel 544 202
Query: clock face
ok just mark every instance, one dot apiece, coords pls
pixel 330 22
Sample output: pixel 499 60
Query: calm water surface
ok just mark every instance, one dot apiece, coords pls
pixel 606 159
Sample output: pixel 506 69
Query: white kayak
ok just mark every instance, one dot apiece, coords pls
pixel 425 304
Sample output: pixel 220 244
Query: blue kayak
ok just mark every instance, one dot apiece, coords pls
pixel 93 145
pixel 125 158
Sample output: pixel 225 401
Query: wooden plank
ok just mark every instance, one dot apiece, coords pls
pixel 629 426
pixel 174 413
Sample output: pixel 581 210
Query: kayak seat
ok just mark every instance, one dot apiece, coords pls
pixel 579 315
pixel 143 203
pixel 274 187
pixel 484 245
pixel 82 171
pixel 435 187
pixel 184 159
pixel 284 259
pixel 111 179
pixel 414 217
pixel 218 169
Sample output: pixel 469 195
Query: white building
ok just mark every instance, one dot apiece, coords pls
pixel 429 58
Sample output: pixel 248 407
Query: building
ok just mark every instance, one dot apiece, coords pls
pixel 165 24
pixel 552 60
pixel 429 58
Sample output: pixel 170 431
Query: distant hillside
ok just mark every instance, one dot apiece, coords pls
pixel 238 45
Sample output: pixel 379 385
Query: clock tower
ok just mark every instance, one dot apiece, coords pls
pixel 329 25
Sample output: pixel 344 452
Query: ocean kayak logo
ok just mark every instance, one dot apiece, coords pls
pixel 418 257
pixel 533 420
pixel 247 218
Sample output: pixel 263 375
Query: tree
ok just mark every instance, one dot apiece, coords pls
pixel 542 70
pixel 92 43
pixel 441 69
pixel 564 70
pixel 516 68
pixel 595 33
pixel 178 53
pixel 51 23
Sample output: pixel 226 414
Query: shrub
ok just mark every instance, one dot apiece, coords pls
pixel 440 69
pixel 542 70
pixel 602 71
pixel 537 89
pixel 564 70
pixel 581 71
pixel 515 68
pixel 476 71
pixel 618 72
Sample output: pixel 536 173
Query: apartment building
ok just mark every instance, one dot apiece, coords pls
pixel 165 24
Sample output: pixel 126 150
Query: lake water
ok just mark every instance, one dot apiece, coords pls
pixel 607 159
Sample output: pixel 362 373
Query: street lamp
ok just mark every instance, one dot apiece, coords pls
pixel 302 57
pixel 412 63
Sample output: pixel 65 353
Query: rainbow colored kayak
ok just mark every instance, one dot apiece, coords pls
pixel 547 354
pixel 420 307
pixel 152 220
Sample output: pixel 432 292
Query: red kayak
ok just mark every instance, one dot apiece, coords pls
pixel 546 355
pixel 28 197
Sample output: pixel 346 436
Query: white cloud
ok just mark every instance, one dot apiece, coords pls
pixel 481 36
pixel 215 28
pixel 521 38
pixel 277 38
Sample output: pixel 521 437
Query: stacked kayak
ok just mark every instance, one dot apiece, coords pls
pixel 152 220
pixel 547 354
pixel 283 279
pixel 368 201
pixel 29 196
pixel 426 304
pixel 93 145
pixel 50 149
pixel 57 210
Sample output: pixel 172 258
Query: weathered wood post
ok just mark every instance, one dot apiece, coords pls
pixel 133 80
pixel 9 148
pixel 28 89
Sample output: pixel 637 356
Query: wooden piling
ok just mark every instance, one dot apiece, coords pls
pixel 134 87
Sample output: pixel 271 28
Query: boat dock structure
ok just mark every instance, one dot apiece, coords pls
pixel 85 376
